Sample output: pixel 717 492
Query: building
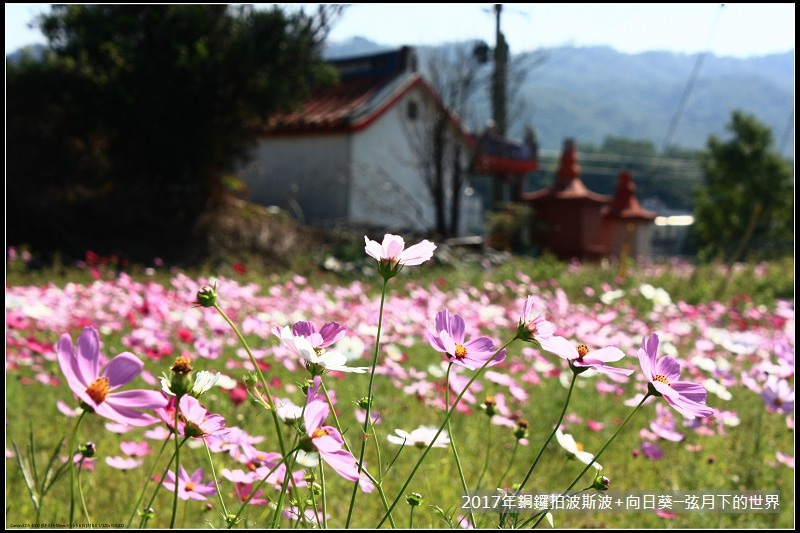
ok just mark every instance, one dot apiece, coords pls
pixel 352 154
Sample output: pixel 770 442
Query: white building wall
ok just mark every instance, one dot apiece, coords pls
pixel 307 175
pixel 387 186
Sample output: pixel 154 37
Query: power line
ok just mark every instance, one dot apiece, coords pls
pixel 690 84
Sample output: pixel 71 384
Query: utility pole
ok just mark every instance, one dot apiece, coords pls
pixel 499 78
pixel 499 99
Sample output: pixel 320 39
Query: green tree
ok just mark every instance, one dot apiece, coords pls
pixel 746 203
pixel 119 139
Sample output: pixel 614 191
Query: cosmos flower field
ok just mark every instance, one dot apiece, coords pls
pixel 740 349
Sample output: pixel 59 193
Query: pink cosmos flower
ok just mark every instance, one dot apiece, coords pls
pixel 196 421
pixel 664 425
pixel 328 442
pixel 449 339
pixel 689 399
pixel 581 357
pixel 394 253
pixel 330 333
pixel 123 463
pixel 135 449
pixel 189 487
pixel 243 491
pixel 94 388
pixel 533 326
pixel 778 395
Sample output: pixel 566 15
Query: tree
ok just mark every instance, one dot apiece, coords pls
pixel 746 204
pixel 121 136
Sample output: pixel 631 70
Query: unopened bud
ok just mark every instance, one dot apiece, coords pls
pixel 207 296
pixel 415 499
pixel 601 482
pixel 522 429
pixel 88 450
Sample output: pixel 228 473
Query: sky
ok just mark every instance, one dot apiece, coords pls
pixel 732 30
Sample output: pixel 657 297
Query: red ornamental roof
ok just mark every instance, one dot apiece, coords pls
pixel 625 205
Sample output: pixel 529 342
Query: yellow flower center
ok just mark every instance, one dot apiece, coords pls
pixel 579 446
pixel 582 350
pixel 662 379
pixel 461 352
pixel 183 365
pixel 98 390
pixel 189 486
pixel 319 432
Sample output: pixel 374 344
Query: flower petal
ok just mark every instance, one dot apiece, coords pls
pixel 69 365
pixel 122 370
pixel 89 354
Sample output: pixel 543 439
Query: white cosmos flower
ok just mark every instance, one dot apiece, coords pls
pixel 568 443
pixel 420 437
pixel 327 359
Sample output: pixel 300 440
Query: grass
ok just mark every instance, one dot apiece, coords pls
pixel 738 460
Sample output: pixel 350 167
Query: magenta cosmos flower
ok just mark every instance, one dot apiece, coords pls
pixel 189 487
pixel 328 442
pixel 95 388
pixel 689 399
pixel 392 254
pixel 581 358
pixel 449 339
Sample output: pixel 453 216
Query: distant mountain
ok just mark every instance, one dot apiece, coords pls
pixel 589 93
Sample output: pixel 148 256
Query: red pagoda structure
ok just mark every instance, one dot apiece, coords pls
pixel 571 221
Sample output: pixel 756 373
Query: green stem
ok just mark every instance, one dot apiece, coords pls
pixel 552 433
pixel 270 401
pixel 510 464
pixel 375 482
pixel 324 524
pixel 177 466
pixel 453 442
pixel 606 445
pixel 80 493
pixel 255 489
pixel 546 442
pixel 411 518
pixel 441 428
pixel 145 516
pixel 214 475
pixel 488 453
pixel 369 401
pixel 146 481
pixel 71 458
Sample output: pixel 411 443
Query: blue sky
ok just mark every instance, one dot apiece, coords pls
pixel 736 30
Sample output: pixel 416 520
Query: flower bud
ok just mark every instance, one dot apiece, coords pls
pixel 87 450
pixel 489 406
pixel 250 380
pixel 181 380
pixel 207 296
pixel 316 489
pixel 415 499
pixel 365 402
pixel 522 429
pixel 601 482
